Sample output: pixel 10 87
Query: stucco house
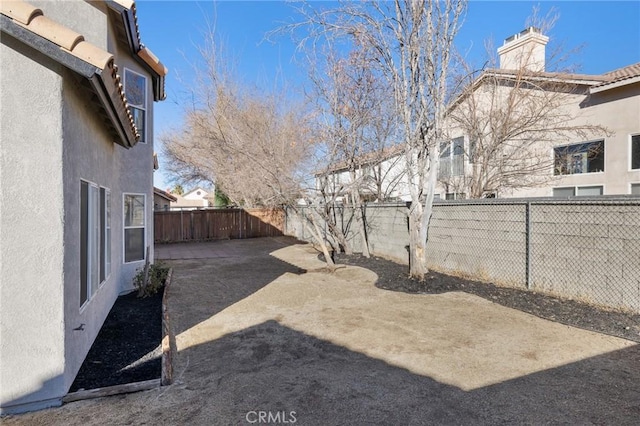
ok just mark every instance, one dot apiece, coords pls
pixel 379 176
pixel 162 199
pixel 77 89
pixel 521 131
pixel 194 199
pixel 587 142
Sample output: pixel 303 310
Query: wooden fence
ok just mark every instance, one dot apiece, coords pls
pixel 217 224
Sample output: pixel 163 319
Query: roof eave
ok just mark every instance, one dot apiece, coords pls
pixel 614 85
pixel 125 137
pixel 103 89
pixel 129 22
pixel 127 13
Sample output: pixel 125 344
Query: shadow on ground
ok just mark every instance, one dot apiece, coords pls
pixel 394 276
pixel 229 271
pixel 270 367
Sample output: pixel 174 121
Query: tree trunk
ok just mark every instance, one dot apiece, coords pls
pixel 360 218
pixel 419 220
pixel 360 222
pixel 317 234
pixel 340 238
pixel 417 264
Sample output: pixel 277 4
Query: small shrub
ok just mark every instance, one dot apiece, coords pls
pixel 155 281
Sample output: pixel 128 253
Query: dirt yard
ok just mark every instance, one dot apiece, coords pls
pixel 262 330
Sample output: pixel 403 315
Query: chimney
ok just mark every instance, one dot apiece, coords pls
pixel 525 50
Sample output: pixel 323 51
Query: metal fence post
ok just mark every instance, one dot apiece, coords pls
pixel 528 243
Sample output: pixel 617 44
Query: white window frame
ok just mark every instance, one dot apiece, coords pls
pixel 576 187
pixel 106 242
pixel 604 157
pixel 631 169
pixel 631 184
pixel 450 145
pixel 95 245
pixel 143 134
pixel 125 228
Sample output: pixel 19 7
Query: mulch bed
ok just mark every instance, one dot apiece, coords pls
pixel 128 347
pixel 393 276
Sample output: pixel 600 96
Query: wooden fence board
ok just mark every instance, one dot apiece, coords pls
pixel 216 224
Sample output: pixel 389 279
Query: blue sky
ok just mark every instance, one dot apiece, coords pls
pixel 608 31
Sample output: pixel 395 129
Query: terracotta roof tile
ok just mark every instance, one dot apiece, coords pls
pixel 152 60
pixel 144 53
pixel 34 20
pixel 20 11
pixel 630 71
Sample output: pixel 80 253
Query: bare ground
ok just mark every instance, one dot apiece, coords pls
pixel 257 330
pixel 393 276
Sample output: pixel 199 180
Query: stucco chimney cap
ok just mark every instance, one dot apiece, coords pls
pixel 522 33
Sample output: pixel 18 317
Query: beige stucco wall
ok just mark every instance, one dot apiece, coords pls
pixel 617 110
pixel 31 227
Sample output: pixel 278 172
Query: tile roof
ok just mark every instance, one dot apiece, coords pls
pixel 624 73
pixel 128 12
pixel 164 194
pixel 587 79
pixel 32 19
pixel 366 159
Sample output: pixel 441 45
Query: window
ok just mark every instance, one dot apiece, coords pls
pixel 635 188
pixel 635 152
pixel 135 88
pixel 451 158
pixel 455 196
pixel 564 192
pixel 134 227
pixel 591 191
pixel 95 238
pixel 105 234
pixel 580 191
pixel 579 158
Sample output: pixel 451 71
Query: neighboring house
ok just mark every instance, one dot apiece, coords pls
pixel 380 176
pixel 560 163
pixel 585 142
pixel 77 88
pixel 194 199
pixel 162 200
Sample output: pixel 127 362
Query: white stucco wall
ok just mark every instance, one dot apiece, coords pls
pixel 31 228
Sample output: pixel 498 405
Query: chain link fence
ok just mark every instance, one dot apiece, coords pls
pixel 583 249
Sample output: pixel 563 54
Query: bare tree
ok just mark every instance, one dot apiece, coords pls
pixel 512 118
pixel 413 43
pixel 252 145
pixel 355 124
